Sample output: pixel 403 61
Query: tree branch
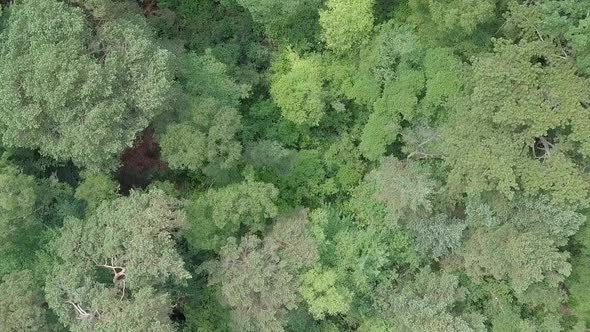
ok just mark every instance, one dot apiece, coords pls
pixel 81 313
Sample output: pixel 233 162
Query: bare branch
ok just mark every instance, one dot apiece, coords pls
pixel 123 293
pixel 111 267
pixel 119 272
pixel 539 34
pixel 81 313
pixel 423 155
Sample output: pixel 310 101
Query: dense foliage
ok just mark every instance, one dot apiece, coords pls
pixel 301 165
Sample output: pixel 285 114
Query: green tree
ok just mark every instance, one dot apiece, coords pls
pixel 258 278
pixel 426 304
pixel 205 312
pixel 564 22
pixel 346 24
pixel 290 21
pixel 21 304
pixel 579 280
pixel 219 213
pixel 376 64
pixel 324 293
pixel 111 270
pixel 522 248
pixel 95 189
pixel 453 19
pixel 444 80
pixel 299 90
pixel 270 158
pixel 306 181
pixel 205 76
pixel 417 85
pixel 438 236
pixel 343 159
pixel 21 212
pixel 361 257
pixel 521 258
pixel 512 322
pixel 399 101
pixel 521 126
pixel 75 92
pixel 402 186
pixel 18 196
pixel 204 137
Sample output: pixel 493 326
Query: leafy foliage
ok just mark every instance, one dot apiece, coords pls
pixel 299 91
pixel 524 249
pixel 425 304
pixel 218 214
pixel 258 277
pixel 532 132
pixel 77 93
pixel 130 237
pixel 21 305
pixel 438 236
pixel 95 189
pixel 322 293
pixel 204 136
pixel 402 186
pixel 346 23
pixel 303 165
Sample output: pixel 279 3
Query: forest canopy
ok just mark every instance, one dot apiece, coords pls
pixel 302 165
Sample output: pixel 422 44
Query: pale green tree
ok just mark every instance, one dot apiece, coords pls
pixel 112 269
pixel 426 304
pixel 258 278
pixel 521 125
pixel 522 248
pixel 437 236
pixel 521 258
pixel 76 93
pixel 324 293
pixel 346 24
pixel 299 90
pixel 402 186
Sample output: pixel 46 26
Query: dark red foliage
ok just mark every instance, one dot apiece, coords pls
pixel 149 7
pixel 140 162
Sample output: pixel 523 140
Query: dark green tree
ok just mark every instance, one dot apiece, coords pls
pixel 203 139
pixel 286 21
pixel 95 189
